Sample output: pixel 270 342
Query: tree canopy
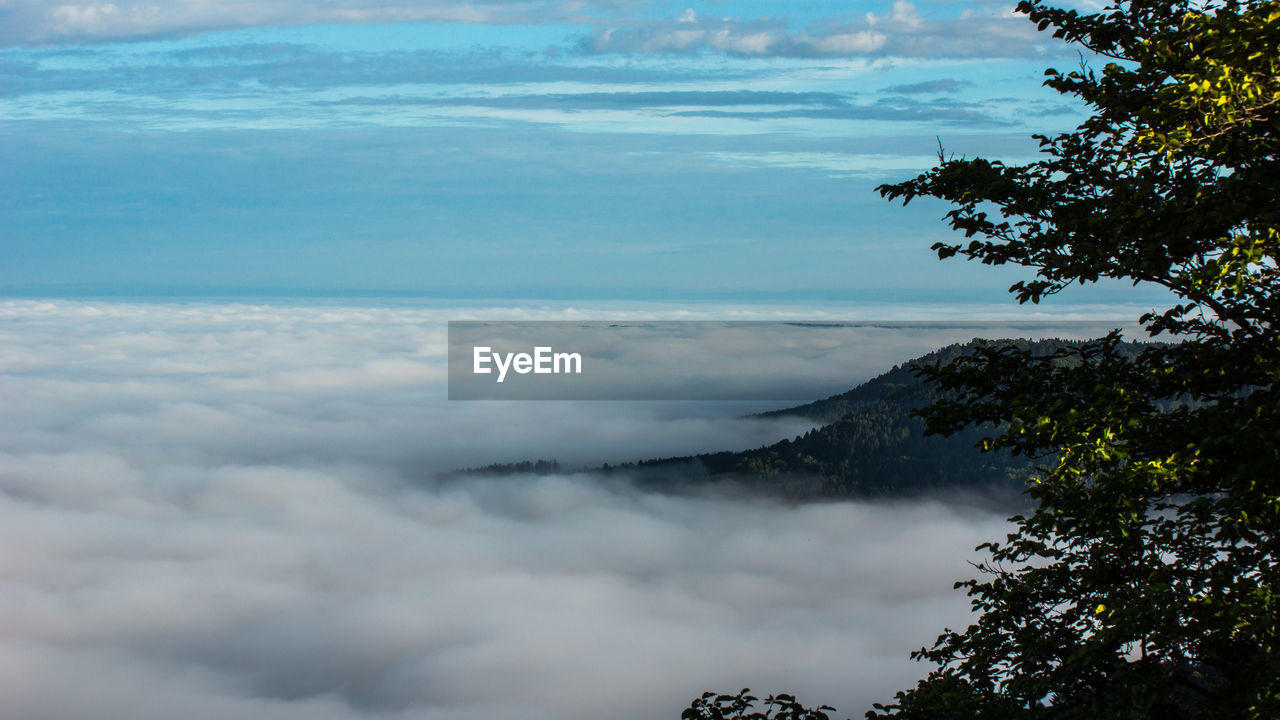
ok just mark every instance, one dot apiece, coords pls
pixel 1144 584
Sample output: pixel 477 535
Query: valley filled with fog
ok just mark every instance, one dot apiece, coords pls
pixel 213 510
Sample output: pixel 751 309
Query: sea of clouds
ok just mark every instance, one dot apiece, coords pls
pixel 213 510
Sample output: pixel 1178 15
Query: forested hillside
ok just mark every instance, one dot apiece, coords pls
pixel 872 445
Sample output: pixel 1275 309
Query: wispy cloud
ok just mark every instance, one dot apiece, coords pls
pixel 615 100
pixel 76 21
pixel 901 32
pixel 886 109
pixel 609 26
pixel 244 68
pixel 946 85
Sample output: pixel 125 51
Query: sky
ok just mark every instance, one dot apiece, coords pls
pixel 606 149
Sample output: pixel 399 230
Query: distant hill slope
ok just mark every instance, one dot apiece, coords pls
pixel 872 445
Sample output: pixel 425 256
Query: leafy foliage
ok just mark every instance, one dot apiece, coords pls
pixel 742 707
pixel 1144 584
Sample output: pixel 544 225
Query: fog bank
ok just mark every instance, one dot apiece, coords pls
pixel 213 511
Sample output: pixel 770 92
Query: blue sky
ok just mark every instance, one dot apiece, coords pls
pixel 610 148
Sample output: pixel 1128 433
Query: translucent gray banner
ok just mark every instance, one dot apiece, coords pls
pixel 699 360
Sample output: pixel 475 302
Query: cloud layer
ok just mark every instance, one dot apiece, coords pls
pixel 604 26
pixel 900 31
pixel 62 21
pixel 228 511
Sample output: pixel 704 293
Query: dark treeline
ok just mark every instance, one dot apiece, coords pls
pixel 527 467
